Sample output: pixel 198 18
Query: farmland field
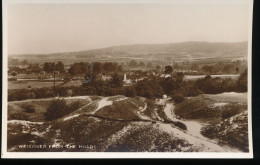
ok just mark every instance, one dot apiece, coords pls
pixel 195 77
pixel 35 84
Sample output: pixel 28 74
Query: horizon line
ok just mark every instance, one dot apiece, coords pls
pixel 122 45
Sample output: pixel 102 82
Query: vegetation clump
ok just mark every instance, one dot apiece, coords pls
pixel 19 116
pixel 29 108
pixel 60 108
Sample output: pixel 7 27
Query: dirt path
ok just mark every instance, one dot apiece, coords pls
pixel 192 134
pixel 102 103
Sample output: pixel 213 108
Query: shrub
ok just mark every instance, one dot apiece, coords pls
pixel 207 77
pixel 29 108
pixel 62 91
pixel 178 97
pixel 180 125
pixel 43 92
pixel 242 82
pixel 19 116
pixel 56 110
pixel 74 106
pixel 130 92
pixel 60 108
pixel 195 92
pixel 209 132
pixel 229 112
pixel 19 94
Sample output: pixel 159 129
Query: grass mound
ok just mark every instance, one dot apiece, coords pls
pixel 232 131
pixel 202 107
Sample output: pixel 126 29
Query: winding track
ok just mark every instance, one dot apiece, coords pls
pixel 192 134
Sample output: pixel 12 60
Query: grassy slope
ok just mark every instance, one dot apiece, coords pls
pixel 207 108
pixel 117 127
pixel 232 131
pixel 226 115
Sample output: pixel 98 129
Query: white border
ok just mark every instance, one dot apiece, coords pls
pixel 5 154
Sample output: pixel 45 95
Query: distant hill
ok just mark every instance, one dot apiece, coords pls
pixel 173 48
pixel 191 50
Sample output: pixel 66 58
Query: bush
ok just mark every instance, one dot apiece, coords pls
pixel 19 94
pixel 209 132
pixel 29 108
pixel 56 110
pixel 195 92
pixel 178 97
pixel 43 92
pixel 60 108
pixel 229 112
pixel 19 116
pixel 62 91
pixel 74 106
pixel 180 125
pixel 242 82
pixel 130 92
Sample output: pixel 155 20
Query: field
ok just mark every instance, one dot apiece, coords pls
pixel 195 77
pixel 35 84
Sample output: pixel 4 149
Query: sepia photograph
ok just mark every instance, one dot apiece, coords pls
pixel 127 79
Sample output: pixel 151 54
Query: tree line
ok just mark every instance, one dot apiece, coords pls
pixel 97 67
pixel 150 88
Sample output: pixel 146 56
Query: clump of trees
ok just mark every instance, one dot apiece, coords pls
pixel 224 68
pixel 116 81
pixel 23 94
pixel 51 67
pixel 242 82
pixel 79 68
pixel 149 88
pixel 98 67
pixel 217 85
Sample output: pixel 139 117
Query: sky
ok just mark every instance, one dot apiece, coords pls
pixel 50 28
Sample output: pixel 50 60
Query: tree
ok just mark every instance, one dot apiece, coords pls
pixel 177 97
pixel 35 67
pixel 48 66
pixel 207 68
pixel 141 63
pixel 85 68
pixel 25 62
pixel 237 69
pixel 130 92
pixel 60 108
pixel 59 67
pixel 116 81
pixel 109 67
pixel 133 63
pixel 227 68
pixel 242 82
pixel 149 64
pixel 14 74
pixel 97 68
pixel 74 69
pixel 158 67
pixel 176 66
pixel 120 68
pixel 194 67
pixel 179 76
pixel 168 69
